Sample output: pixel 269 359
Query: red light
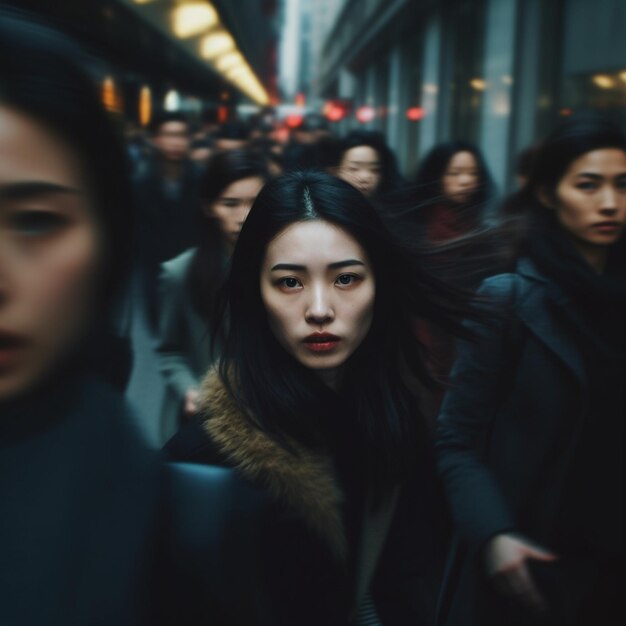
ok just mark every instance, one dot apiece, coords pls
pixel 566 112
pixel 222 114
pixel 300 99
pixel 365 114
pixel 415 114
pixel 293 121
pixel 334 112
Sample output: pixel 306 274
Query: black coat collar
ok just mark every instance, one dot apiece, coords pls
pixel 537 310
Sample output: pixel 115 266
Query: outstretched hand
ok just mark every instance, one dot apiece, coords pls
pixel 506 559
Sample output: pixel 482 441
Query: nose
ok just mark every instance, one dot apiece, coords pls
pixel 242 214
pixel 319 309
pixel 609 200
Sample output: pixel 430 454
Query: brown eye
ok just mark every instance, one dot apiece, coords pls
pixel 289 283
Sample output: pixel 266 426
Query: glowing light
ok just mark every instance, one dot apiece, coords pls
pixel 229 61
pixel 193 18
pixel 145 106
pixel 142 1
pixel 172 101
pixel 294 120
pixel 300 100
pixel 333 112
pixel 415 114
pixel 430 88
pixel 506 79
pixel 622 76
pixel 478 84
pixel 110 96
pixel 365 114
pixel 603 81
pixel 566 112
pixel 215 44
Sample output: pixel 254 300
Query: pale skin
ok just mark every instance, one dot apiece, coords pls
pixel 361 167
pixel 592 192
pixel 230 210
pixel 316 278
pixel 460 179
pixel 51 252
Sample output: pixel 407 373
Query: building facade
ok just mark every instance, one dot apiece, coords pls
pixel 499 73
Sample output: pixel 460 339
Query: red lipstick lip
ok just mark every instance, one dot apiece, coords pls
pixel 322 338
pixel 10 349
pixel 321 342
pixel 11 340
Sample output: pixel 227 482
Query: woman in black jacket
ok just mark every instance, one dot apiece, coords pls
pixel 315 406
pixel 77 487
pixel 531 435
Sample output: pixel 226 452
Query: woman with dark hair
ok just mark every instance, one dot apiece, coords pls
pixel 315 404
pixel 365 161
pixel 189 283
pixel 447 204
pixel 531 435
pixel 76 484
pixel 452 190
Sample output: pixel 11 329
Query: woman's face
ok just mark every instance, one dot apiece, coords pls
pixel 362 168
pixel 50 252
pixel 460 178
pixel 318 288
pixel 233 205
pixel 590 198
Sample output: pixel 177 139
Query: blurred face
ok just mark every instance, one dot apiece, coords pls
pixel 318 288
pixel 590 199
pixel 233 205
pixel 50 253
pixel 461 178
pixel 362 168
pixel 172 140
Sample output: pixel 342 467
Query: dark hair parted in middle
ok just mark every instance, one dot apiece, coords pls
pixel 288 401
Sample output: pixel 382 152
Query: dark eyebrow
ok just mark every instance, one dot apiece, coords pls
pixel 590 175
pixel 28 189
pixel 348 263
pixel 302 268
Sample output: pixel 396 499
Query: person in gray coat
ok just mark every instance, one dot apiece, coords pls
pixel 189 283
pixel 531 434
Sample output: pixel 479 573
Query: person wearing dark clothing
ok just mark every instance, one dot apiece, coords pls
pixel 167 200
pixel 314 407
pixel 531 435
pixel 78 489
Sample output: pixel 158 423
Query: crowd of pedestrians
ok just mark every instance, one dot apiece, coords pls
pixel 389 400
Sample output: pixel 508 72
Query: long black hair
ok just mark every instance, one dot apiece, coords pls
pixel 286 400
pixel 428 188
pixel 208 267
pixel 44 75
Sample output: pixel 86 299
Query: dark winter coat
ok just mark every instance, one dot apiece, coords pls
pixel 78 492
pixel 282 547
pixel 507 435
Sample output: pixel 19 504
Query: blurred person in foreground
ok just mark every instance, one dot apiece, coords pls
pixel 531 434
pixel 77 486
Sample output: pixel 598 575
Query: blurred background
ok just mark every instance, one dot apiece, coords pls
pixel 498 73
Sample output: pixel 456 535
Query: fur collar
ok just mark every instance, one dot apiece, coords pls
pixel 304 483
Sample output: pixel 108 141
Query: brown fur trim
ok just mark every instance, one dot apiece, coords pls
pixel 304 482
